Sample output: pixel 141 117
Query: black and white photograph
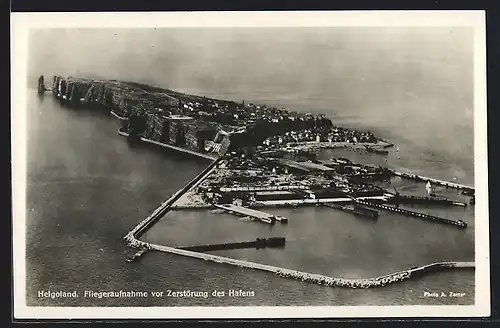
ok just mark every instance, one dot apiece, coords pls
pixel 249 165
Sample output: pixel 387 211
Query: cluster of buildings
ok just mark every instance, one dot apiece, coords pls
pixel 332 134
pixel 249 180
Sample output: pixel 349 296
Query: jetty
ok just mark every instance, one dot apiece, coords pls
pixel 259 215
pixel 259 243
pixel 457 223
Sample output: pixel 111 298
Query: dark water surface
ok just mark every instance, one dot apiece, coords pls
pixel 87 188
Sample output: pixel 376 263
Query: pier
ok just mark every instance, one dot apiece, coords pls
pixel 273 242
pixel 458 223
pixel 403 199
pixel 261 216
pixel 435 181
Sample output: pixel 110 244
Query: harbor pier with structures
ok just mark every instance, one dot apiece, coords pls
pixel 458 223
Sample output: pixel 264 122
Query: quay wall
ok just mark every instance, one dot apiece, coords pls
pixel 310 201
pixel 282 203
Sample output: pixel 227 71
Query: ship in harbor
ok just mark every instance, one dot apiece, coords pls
pixel 376 150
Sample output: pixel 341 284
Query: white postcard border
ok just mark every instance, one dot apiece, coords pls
pixel 21 23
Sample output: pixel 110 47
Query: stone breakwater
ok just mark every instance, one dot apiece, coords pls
pixel 343 282
pixel 305 276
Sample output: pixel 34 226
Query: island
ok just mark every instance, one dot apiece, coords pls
pixel 259 156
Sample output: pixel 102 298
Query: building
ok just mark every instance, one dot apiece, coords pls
pixel 222 142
